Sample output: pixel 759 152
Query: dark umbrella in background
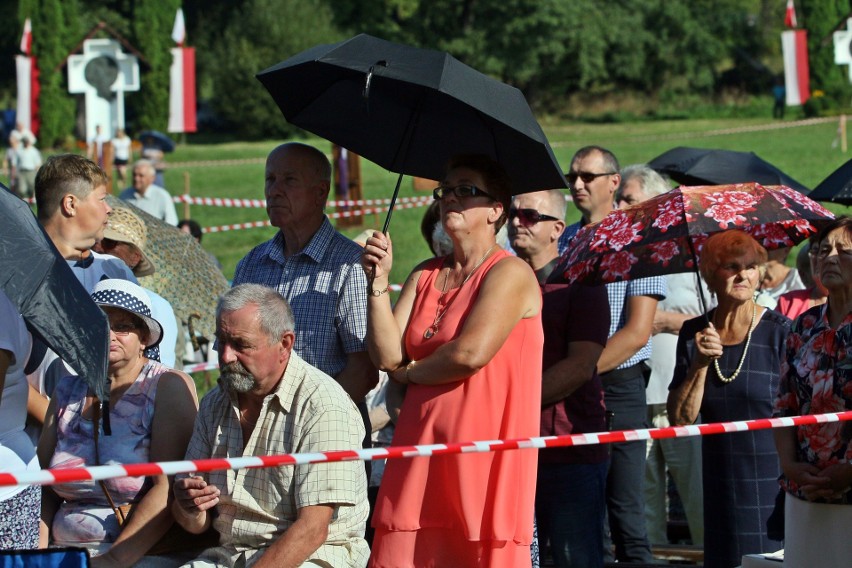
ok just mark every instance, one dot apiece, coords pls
pixel 156 139
pixel 703 166
pixel 837 187
pixel 55 306
pixel 410 110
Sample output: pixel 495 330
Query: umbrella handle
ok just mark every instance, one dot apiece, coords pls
pixel 698 280
pixel 369 79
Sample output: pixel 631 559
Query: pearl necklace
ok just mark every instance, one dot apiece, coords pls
pixel 439 313
pixel 722 377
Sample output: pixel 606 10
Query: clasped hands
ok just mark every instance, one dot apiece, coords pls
pixel 831 483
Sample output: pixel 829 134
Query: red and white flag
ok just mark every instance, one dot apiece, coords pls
pixel 794 45
pixel 28 84
pixel 182 81
pixel 182 90
pixel 790 15
pixel 27 38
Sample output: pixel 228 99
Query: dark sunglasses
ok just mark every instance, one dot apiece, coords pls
pixel 460 191
pixel 529 216
pixel 585 176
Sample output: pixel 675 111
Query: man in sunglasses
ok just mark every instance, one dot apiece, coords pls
pixel 594 179
pixel 571 485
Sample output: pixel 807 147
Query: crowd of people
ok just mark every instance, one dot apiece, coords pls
pixel 483 342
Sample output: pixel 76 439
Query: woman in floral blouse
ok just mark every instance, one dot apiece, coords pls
pixel 817 378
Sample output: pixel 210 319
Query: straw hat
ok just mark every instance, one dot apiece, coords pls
pixel 124 226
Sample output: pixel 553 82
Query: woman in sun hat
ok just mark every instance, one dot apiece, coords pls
pixel 152 411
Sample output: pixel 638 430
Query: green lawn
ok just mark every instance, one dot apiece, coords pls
pixel 804 152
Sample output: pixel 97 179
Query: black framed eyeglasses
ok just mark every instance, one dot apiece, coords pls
pixel 529 216
pixel 587 177
pixel 460 191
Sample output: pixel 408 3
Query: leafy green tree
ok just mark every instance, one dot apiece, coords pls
pixel 51 45
pixel 820 17
pixel 266 32
pixel 152 22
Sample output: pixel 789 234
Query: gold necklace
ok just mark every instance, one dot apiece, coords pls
pixel 439 313
pixel 722 377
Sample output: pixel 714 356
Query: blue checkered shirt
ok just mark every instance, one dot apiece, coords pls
pixel 619 292
pixel 327 289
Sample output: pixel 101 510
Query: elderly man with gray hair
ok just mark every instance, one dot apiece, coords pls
pixel 270 401
pixel 681 456
pixel 148 196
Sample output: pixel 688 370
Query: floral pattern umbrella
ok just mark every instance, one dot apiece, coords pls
pixel 664 235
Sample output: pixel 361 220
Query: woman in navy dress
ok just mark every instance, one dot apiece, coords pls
pixel 728 368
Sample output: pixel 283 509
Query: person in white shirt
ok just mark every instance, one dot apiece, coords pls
pixel 123 148
pixel 149 197
pixel 28 160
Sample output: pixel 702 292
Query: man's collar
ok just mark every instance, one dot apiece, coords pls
pixel 315 249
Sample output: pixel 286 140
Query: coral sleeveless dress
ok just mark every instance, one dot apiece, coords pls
pixel 465 509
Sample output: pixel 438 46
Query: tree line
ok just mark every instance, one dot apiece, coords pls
pixel 563 54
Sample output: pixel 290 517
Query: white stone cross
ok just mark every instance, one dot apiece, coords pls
pixel 843 47
pixel 103 73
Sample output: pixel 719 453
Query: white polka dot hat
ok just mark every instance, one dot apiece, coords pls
pixel 132 298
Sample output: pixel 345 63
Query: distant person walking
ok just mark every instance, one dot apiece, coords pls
pixel 779 93
pixel 27 162
pixel 123 149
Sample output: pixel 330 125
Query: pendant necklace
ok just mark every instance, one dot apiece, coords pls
pixel 722 377
pixel 439 313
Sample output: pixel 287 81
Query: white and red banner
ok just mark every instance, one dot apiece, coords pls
pixel 182 90
pixel 28 85
pixel 794 45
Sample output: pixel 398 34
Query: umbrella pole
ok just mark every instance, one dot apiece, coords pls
pixel 392 204
pixel 698 280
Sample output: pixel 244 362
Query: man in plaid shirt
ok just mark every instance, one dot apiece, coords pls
pixel 315 268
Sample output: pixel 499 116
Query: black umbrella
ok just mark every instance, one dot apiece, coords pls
pixel 410 110
pixel 156 139
pixel 55 306
pixel 703 166
pixel 837 187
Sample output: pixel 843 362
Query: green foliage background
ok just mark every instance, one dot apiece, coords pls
pixel 572 58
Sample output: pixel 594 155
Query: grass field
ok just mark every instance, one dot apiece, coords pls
pixel 804 151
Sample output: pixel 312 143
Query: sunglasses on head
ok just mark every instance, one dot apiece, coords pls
pixel 460 191
pixel 585 176
pixel 529 216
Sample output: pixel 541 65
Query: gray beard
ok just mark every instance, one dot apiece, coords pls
pixel 237 378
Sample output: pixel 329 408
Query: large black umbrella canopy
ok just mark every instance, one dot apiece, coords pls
pixel 837 187
pixel 409 110
pixel 705 166
pixel 157 139
pixel 56 307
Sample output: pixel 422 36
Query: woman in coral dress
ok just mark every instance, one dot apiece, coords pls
pixel 466 339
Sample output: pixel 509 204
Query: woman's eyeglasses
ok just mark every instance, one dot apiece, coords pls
pixel 529 216
pixel 122 327
pixel 585 176
pixel 459 191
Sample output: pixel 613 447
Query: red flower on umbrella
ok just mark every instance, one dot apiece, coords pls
pixel 773 236
pixel 799 226
pixel 726 207
pixel 616 232
pixel 616 266
pixel 668 215
pixel 796 197
pixel 578 271
pixel 664 252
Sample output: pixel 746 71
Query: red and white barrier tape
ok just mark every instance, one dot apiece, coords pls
pixel 261 203
pixel 199 367
pixel 53 476
pixel 417 202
